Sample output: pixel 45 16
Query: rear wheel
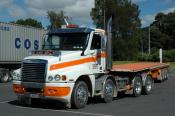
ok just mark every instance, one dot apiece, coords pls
pixel 163 75
pixel 148 85
pixel 137 86
pixel 166 75
pixel 4 77
pixel 108 91
pixel 79 96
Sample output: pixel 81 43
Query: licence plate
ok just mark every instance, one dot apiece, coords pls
pixel 34 96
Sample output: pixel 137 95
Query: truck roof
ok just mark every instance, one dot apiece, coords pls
pixel 71 30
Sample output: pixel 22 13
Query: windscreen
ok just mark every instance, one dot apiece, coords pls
pixel 68 41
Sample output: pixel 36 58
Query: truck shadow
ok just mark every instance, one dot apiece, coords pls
pixel 42 104
pixel 97 100
pixel 56 105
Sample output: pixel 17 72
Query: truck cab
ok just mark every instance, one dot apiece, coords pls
pixel 66 67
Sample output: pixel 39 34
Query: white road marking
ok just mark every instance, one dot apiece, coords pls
pixel 65 111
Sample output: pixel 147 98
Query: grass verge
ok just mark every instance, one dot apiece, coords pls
pixel 172 66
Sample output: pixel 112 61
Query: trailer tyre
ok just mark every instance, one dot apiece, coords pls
pixel 148 85
pixel 5 77
pixel 166 75
pixel 108 91
pixel 79 96
pixel 137 86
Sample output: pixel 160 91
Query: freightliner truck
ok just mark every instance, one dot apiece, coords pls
pixel 75 64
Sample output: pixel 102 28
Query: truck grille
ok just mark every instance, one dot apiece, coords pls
pixel 34 71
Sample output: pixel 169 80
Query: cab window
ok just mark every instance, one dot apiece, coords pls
pixel 96 42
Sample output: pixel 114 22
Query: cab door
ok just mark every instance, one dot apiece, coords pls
pixel 97 53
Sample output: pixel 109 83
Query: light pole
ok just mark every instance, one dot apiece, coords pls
pixel 149 40
pixel 104 15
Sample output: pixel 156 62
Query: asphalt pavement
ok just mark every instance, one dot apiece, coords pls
pixel 160 103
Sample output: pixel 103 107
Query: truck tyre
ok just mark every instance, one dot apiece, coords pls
pixel 163 76
pixel 21 101
pixel 166 75
pixel 5 77
pixel 79 96
pixel 148 85
pixel 137 86
pixel 108 91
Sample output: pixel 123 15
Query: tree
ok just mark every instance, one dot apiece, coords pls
pixel 103 10
pixel 56 19
pixel 29 22
pixel 162 32
pixel 125 14
pixel 125 25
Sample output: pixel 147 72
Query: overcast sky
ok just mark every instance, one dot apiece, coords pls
pixel 79 10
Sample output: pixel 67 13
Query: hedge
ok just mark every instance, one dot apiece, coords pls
pixel 168 56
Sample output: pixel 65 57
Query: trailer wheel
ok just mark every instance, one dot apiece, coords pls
pixel 137 86
pixel 166 75
pixel 5 77
pixel 148 85
pixel 79 96
pixel 162 76
pixel 108 91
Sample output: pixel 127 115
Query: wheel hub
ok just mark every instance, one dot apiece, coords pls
pixel 149 86
pixel 138 87
pixel 109 90
pixel 81 94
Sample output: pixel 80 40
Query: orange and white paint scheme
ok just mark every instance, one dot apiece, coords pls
pixel 70 66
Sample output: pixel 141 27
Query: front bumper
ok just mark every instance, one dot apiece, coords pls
pixel 57 91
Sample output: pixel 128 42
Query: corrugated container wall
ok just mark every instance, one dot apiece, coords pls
pixel 16 41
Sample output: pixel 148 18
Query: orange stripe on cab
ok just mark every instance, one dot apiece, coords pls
pixel 72 63
pixel 77 62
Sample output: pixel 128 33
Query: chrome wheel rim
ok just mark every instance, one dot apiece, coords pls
pixel 149 85
pixel 138 87
pixel 5 77
pixel 81 95
pixel 109 90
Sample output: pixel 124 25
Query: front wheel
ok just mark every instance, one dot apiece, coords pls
pixel 79 96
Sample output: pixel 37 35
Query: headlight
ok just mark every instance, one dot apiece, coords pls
pixel 16 76
pixel 57 77
pixel 50 78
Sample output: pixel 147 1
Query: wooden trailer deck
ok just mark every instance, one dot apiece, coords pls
pixel 141 66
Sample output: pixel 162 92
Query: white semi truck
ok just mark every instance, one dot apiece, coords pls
pixel 75 64
pixel 16 42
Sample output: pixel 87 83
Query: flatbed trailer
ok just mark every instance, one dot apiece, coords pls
pixel 139 66
pixel 158 71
